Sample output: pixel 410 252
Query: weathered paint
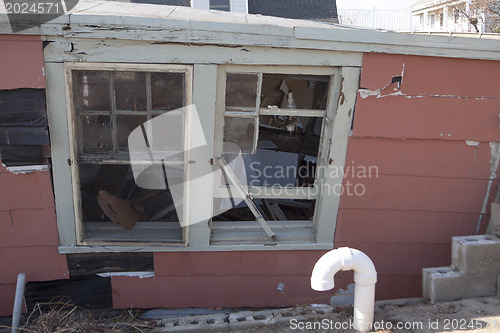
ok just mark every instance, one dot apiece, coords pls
pixel 400 226
pixel 446 118
pixel 450 159
pixel 30 191
pixel 21 59
pixel 236 263
pixel 430 139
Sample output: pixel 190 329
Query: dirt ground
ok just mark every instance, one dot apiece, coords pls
pixel 412 316
pixel 406 315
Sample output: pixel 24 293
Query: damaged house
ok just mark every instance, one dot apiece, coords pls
pixel 161 156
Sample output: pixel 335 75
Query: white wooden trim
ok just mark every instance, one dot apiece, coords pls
pixel 329 204
pixel 88 50
pixel 73 149
pixel 283 69
pixel 204 91
pixel 210 248
pixel 60 153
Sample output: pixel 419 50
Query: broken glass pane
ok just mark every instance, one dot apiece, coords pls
pixel 167 91
pixel 295 91
pixel 240 131
pixel 288 149
pixel 91 91
pixel 125 125
pixel 97 133
pixel 109 195
pixel 241 90
pixel 130 90
pixel 270 209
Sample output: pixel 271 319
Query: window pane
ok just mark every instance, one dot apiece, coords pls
pixel 240 131
pixel 96 133
pixel 295 91
pixel 91 90
pixel 130 91
pixel 290 144
pixel 241 90
pixel 167 91
pixel 271 210
pixel 125 125
pixel 115 208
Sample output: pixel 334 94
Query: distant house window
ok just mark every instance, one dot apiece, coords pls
pixel 220 5
pixel 432 20
pixel 441 20
pixel 456 15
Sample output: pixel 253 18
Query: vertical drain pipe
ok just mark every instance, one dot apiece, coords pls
pixel 365 277
pixel 18 302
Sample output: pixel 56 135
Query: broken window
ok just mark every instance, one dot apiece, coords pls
pixel 275 121
pixel 109 105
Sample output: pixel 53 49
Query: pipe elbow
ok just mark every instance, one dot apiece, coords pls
pixel 344 259
pixel 326 267
pixel 364 269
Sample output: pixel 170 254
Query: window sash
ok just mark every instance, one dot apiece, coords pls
pixel 77 156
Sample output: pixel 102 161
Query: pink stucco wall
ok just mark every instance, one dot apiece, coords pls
pixel 431 183
pixel 21 61
pixel 28 229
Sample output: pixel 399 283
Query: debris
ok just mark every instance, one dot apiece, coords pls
pixel 125 213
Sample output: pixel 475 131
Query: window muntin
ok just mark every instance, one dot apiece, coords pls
pixel 108 104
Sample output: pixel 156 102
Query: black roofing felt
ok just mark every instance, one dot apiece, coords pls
pixel 322 10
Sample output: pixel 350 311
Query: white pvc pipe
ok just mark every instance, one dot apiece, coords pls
pixel 18 302
pixel 365 277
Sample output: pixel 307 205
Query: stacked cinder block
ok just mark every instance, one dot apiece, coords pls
pixel 474 272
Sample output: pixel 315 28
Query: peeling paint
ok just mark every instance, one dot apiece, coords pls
pixel 495 159
pixel 364 93
pixel 140 275
pixel 26 169
pixel 474 144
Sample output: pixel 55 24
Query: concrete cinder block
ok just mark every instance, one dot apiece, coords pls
pixel 426 279
pixel 476 254
pixel 448 285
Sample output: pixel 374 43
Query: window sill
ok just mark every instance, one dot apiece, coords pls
pixel 210 248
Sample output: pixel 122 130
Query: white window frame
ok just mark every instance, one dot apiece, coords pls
pixel 73 134
pixel 293 229
pixel 206 88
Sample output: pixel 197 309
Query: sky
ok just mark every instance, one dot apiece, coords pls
pixel 378 4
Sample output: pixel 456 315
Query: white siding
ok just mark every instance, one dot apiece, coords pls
pixel 239 6
pixel 203 4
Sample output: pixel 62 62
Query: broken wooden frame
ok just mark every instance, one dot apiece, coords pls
pixel 202 236
pixel 251 106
